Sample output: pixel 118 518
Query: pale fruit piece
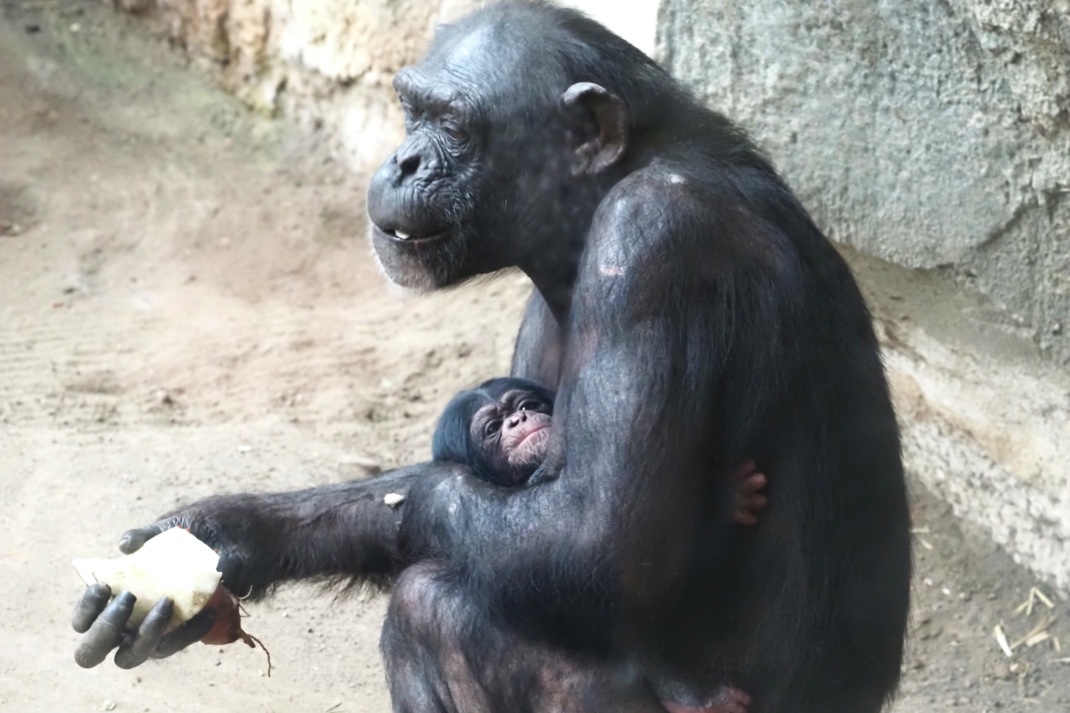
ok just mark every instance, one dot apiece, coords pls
pixel 173 564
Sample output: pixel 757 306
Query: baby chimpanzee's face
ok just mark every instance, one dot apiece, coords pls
pixel 513 430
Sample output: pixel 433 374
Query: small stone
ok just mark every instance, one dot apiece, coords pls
pixel 107 705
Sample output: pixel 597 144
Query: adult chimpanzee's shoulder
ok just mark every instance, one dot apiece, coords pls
pixel 674 220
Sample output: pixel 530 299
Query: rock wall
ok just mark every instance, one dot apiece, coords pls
pixel 934 135
pixel 326 63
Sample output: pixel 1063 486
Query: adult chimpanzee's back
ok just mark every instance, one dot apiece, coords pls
pixel 689 317
pixel 824 587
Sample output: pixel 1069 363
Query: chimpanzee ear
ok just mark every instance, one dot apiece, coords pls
pixel 599 119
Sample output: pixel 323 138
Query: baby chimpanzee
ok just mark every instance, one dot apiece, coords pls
pixel 501 429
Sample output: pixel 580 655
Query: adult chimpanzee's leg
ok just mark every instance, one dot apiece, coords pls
pixel 443 655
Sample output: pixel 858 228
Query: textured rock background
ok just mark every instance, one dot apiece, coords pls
pixel 935 135
pixel 328 64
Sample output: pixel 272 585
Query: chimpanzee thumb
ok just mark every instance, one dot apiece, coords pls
pixel 132 540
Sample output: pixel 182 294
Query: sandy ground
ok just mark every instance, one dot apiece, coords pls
pixel 188 305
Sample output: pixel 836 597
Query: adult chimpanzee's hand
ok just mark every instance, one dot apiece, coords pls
pixel 339 530
pixel 238 527
pixel 106 621
pixel 104 624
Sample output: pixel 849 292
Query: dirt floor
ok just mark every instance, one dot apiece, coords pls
pixel 188 305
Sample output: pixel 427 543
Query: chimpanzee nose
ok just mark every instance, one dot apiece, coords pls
pixel 408 162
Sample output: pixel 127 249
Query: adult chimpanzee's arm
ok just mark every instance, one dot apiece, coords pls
pixel 340 530
pixel 617 508
pixel 348 530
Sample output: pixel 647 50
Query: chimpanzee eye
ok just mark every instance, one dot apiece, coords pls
pixel 454 132
pixel 491 428
pixel 529 405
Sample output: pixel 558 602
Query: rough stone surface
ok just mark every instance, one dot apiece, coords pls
pixel 326 63
pixel 329 63
pixel 986 423
pixel 933 134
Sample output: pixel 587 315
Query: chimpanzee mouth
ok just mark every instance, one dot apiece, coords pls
pixel 540 432
pixel 402 238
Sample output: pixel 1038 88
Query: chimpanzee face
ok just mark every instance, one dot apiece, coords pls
pixel 492 136
pixel 500 430
pixel 512 431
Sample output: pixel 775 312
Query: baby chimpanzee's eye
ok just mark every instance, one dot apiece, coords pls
pixel 528 405
pixel 491 427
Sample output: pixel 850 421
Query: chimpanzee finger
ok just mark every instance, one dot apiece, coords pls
pixel 745 468
pixel 89 606
pixel 729 700
pixel 106 632
pixel 132 540
pixel 753 482
pixel 189 633
pixel 148 635
pixel 745 518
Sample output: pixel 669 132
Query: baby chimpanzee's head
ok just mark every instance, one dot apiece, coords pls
pixel 500 429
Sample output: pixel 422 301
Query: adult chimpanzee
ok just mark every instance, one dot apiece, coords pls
pixel 689 315
pixel 500 430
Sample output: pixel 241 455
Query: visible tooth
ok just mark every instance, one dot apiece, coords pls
pixel 403 236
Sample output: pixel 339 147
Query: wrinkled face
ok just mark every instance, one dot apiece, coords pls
pixel 446 206
pixel 421 200
pixel 513 432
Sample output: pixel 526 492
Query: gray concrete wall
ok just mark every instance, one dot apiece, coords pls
pixel 935 135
